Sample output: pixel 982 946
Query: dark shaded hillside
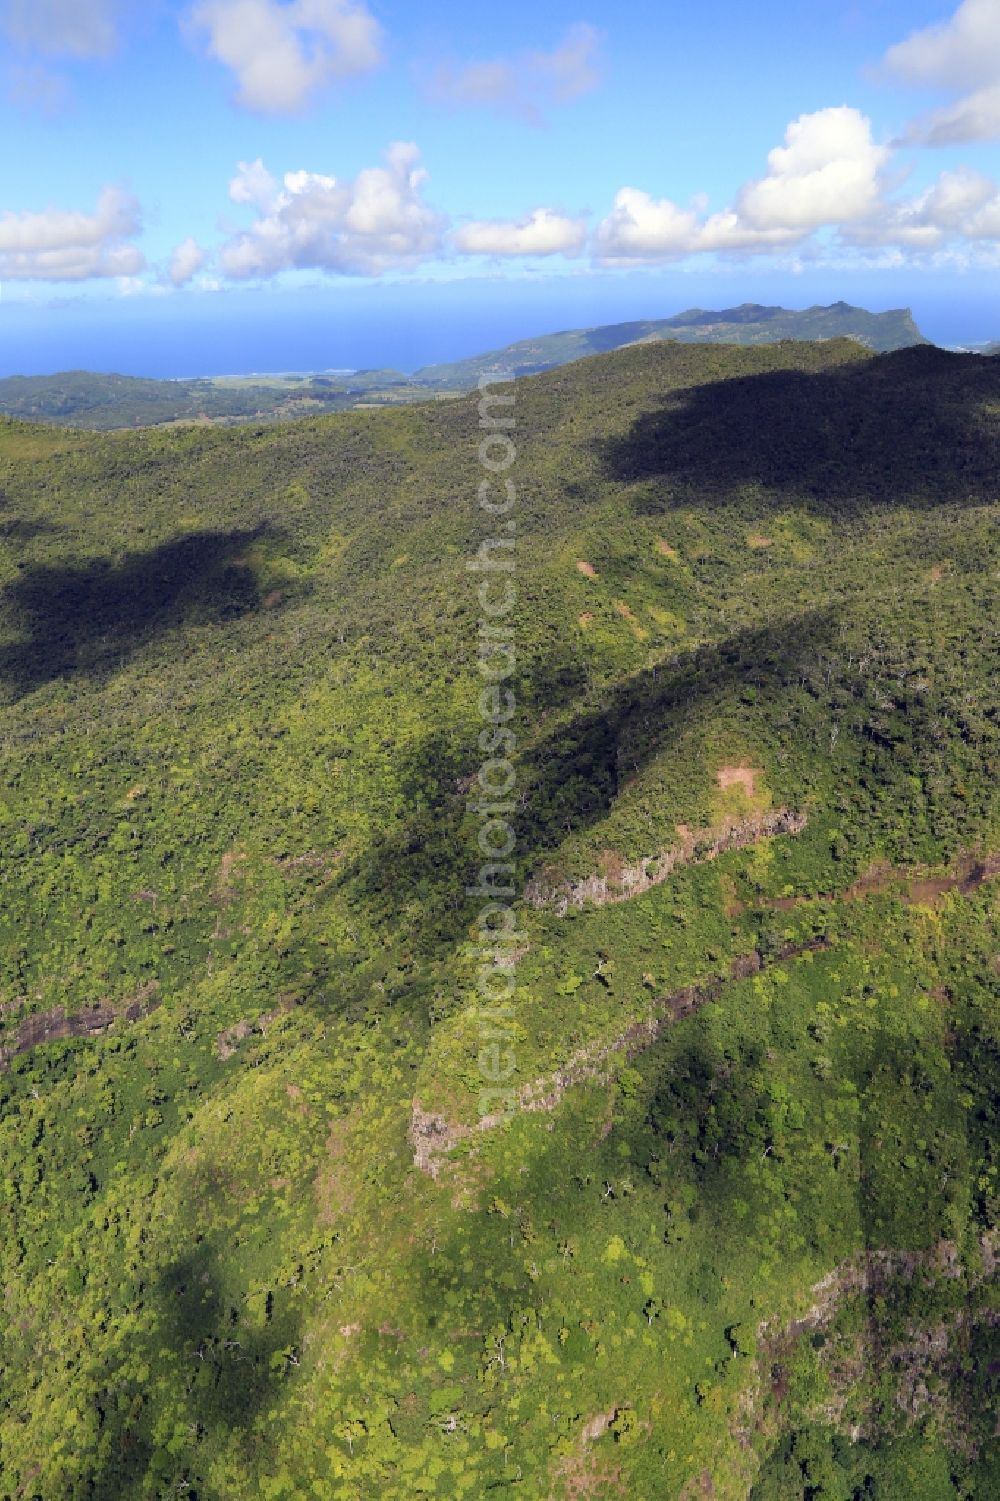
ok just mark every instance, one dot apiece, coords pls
pixel 92 618
pixel 919 427
pixel 259 1233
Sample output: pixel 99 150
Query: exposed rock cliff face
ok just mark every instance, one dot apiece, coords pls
pixel 695 847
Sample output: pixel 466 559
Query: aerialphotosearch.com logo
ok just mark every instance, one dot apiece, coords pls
pixel 496 946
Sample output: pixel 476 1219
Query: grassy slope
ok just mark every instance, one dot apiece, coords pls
pixel 240 687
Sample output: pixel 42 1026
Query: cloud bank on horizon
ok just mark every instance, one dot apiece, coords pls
pixel 832 189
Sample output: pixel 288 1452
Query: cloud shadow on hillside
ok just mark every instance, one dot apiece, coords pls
pixel 224 1367
pixel 907 428
pixel 15 529
pixel 91 617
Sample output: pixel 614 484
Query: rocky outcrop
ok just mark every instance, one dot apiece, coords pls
pixel 433 1136
pixel 696 846
pixel 57 1025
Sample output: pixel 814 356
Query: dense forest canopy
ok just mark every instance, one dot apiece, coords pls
pixel 739 1235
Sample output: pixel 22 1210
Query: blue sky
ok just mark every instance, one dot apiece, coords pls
pixel 384 183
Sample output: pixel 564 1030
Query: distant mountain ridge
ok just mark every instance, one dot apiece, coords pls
pixel 83 399
pixel 750 323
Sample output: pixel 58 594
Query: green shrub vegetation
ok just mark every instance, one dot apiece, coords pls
pixel 745 1243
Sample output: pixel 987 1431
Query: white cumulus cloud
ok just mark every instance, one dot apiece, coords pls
pixel 253 184
pixel 962 205
pixel 542 232
pixel 283 54
pixel 365 226
pixel 528 84
pixel 185 262
pixel 63 245
pixel 974 118
pixel 643 228
pixel 827 172
pixel 959 53
pixel 961 56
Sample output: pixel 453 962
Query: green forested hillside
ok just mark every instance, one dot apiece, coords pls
pixel 739 1236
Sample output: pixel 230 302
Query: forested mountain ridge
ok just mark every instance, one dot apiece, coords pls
pixel 750 323
pixel 740 1236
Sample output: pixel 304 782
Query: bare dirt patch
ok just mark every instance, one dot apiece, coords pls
pixel 311 860
pixel 664 548
pixel 638 631
pixel 757 541
pixel 587 569
pixel 913 887
pixel 702 1485
pixel 431 1136
pixel 739 776
pixel 582 1474
pixel 226 880
pixel 334 1187
pixel 594 1427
